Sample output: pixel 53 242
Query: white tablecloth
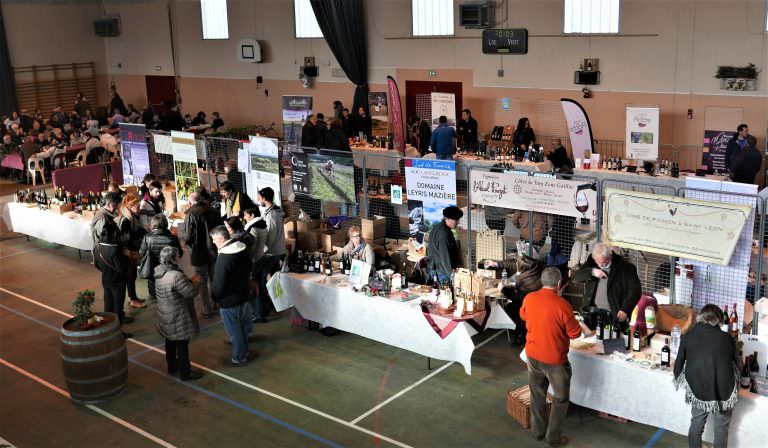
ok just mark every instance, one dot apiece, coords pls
pixel 649 397
pixel 395 323
pixel 51 227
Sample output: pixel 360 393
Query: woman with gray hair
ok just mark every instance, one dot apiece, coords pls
pixel 176 317
pixel 706 367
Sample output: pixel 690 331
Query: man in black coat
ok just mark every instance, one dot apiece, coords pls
pixel 468 130
pixel 735 146
pixel 309 133
pixel 230 289
pixel 201 219
pixel 442 249
pixel 611 282
pixel 748 163
pixel 321 129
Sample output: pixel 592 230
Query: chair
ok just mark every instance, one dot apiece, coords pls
pixel 80 159
pixel 59 161
pixel 34 166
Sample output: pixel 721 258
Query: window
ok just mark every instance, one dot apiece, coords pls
pixel 432 17
pixel 214 18
pixel 591 16
pixel 306 22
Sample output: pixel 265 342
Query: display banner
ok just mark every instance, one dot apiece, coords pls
pixel 332 178
pixel 134 153
pixel 431 186
pixel 300 172
pixel 163 144
pixel 377 104
pixel 642 128
pixel 679 227
pixel 534 193
pixel 713 155
pixel 264 169
pixel 396 114
pixel 579 128
pixel 443 104
pixel 296 109
pixel 184 164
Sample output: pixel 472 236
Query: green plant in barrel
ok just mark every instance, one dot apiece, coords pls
pixel 84 317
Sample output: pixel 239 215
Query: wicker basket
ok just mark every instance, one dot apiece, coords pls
pixel 519 405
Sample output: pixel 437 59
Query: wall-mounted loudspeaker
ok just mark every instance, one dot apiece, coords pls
pixel 107 26
pixel 586 78
pixel 310 71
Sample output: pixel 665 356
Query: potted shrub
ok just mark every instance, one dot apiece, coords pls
pixel 737 78
pixel 93 354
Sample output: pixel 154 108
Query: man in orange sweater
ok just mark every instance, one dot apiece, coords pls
pixel 551 325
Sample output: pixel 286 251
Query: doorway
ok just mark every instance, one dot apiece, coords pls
pixel 417 97
pixel 159 90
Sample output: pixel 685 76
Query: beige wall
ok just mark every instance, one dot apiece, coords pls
pixel 671 64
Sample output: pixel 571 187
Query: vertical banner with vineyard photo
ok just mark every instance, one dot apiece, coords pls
pixel 135 155
pixel 377 104
pixel 296 109
pixel 184 164
pixel 332 178
pixel 431 187
pixel 264 166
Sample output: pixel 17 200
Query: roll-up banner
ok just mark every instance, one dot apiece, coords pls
pixel 579 128
pixel 642 133
pixel 443 104
pixel 396 114
pixel 135 156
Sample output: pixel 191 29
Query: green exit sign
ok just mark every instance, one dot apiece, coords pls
pixel 432 73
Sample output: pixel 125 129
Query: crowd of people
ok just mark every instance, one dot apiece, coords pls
pixel 334 132
pixel 233 251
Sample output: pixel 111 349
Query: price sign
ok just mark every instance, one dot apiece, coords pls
pixel 509 41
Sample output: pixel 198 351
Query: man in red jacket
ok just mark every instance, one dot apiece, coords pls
pixel 551 325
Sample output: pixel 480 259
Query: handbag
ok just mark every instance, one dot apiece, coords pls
pixel 668 314
pixel 145 268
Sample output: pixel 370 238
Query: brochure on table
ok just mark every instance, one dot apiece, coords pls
pixel 134 153
pixel 431 187
pixel 184 164
pixel 642 128
pixel 262 167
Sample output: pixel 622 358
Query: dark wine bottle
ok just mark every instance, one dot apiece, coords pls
pixel 317 264
pixel 745 380
pixel 636 340
pixel 328 269
pixel 403 277
pixel 600 330
pixel 665 353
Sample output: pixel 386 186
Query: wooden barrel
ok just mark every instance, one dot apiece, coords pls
pixel 95 361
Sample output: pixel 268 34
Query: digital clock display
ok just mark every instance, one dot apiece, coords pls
pixel 509 41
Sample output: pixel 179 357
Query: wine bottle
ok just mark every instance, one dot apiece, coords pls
pixel 725 327
pixel 435 287
pixel 746 380
pixel 403 278
pixel 600 330
pixel 754 371
pixel 733 321
pixel 665 353
pixel 312 263
pixel 636 340
pixel 328 269
pixel 317 263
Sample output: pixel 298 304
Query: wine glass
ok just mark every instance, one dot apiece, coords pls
pixel 582 203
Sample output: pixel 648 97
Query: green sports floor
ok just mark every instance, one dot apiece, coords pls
pixel 303 389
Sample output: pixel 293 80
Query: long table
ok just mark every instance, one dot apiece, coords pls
pixel 392 322
pixel 648 396
pixel 51 227
pixel 464 162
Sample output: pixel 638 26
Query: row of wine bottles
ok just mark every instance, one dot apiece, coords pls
pixel 750 371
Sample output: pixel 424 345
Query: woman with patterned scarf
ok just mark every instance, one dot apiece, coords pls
pixel 357 248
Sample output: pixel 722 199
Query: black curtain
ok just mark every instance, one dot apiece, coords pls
pixel 343 25
pixel 8 102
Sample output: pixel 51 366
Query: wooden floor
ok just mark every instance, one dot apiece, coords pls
pixel 304 389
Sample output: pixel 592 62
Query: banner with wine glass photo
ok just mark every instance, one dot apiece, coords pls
pixel 533 193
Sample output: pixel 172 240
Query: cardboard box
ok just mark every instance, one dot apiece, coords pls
pixel 374 229
pixel 307 241
pixel 331 209
pixel 289 227
pixel 404 226
pixel 306 226
pixel 329 238
pixel 61 208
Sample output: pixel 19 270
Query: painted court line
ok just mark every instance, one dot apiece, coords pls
pixel 191 386
pixel 22 252
pixel 234 380
pixel 93 408
pixel 416 384
pixel 655 438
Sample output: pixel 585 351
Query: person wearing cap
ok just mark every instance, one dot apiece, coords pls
pixel 443 250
